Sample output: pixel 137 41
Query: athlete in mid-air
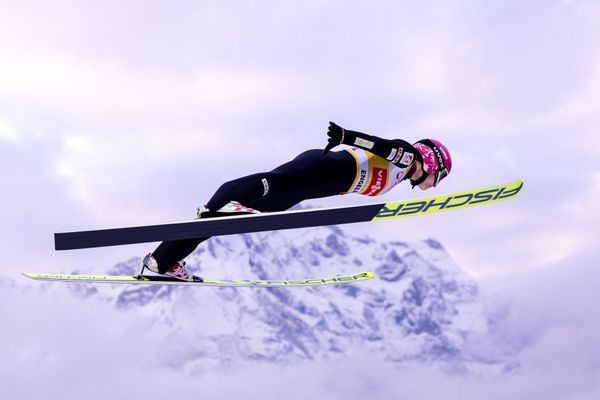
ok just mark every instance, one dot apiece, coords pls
pixel 372 166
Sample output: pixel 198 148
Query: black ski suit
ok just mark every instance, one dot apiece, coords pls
pixel 310 175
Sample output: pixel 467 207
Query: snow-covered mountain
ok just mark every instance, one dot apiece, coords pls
pixel 420 306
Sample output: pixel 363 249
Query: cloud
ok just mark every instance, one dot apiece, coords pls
pixel 8 131
pixel 68 346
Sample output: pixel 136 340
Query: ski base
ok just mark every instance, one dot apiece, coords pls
pixel 165 280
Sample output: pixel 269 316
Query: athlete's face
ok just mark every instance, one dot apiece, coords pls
pixel 427 183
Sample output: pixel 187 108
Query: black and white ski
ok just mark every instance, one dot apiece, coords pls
pixel 285 219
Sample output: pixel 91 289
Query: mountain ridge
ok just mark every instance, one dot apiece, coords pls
pixel 421 306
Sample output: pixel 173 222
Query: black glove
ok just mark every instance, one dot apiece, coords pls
pixel 391 150
pixel 337 135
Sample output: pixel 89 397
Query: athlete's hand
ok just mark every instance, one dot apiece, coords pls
pixel 336 136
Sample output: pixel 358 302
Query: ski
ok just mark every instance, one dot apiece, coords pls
pixel 165 280
pixel 285 219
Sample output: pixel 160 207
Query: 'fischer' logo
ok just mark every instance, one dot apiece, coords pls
pixel 391 210
pixel 300 282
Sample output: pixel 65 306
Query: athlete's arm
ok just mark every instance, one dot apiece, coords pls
pixel 397 151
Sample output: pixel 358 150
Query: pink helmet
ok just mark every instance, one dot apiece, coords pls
pixel 436 158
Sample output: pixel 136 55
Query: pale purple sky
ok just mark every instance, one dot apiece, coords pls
pixel 117 113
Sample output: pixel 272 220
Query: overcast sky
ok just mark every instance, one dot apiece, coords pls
pixel 122 113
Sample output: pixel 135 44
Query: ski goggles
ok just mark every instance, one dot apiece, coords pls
pixel 438 176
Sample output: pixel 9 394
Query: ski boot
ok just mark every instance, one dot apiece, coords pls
pixel 229 209
pixel 177 270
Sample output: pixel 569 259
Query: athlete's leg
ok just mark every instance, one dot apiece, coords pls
pixel 171 251
pixel 244 190
pixel 310 175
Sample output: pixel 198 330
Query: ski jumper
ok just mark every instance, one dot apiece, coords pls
pixel 371 167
